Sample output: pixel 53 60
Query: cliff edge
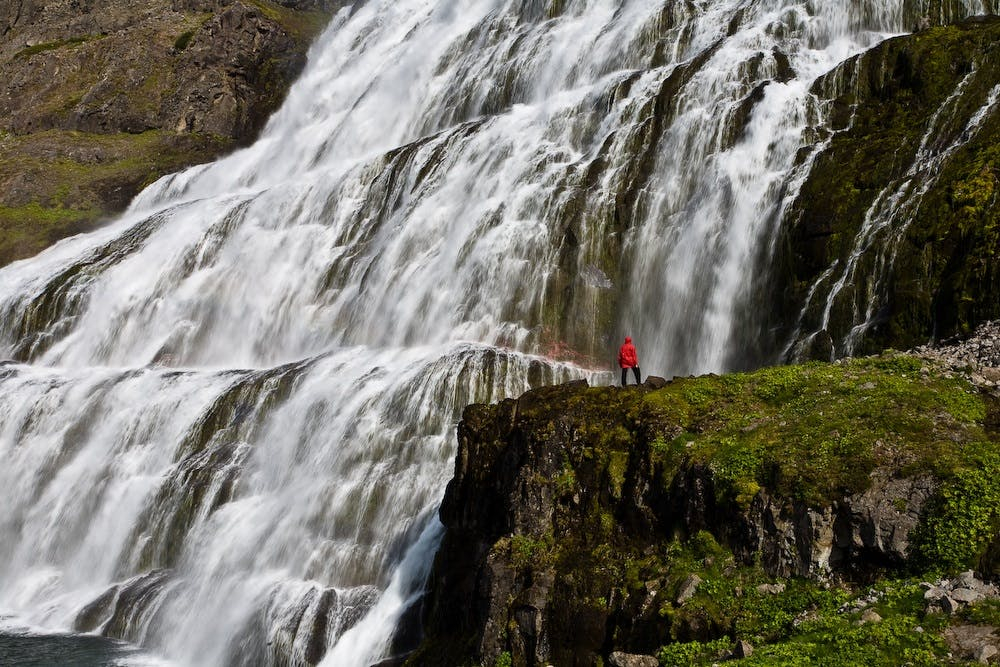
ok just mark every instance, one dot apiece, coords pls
pixel 788 511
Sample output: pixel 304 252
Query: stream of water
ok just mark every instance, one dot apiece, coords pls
pixel 228 417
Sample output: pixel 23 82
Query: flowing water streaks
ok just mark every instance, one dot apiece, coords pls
pixel 858 284
pixel 233 413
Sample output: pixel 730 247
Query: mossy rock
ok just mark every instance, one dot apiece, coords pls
pixel 58 183
pixel 577 507
pixel 87 120
pixel 927 267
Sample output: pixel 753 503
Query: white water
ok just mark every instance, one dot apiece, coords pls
pixel 251 380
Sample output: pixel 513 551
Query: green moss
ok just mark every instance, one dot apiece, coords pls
pixel 617 464
pixel 51 46
pixel 300 24
pixel 806 623
pixel 814 432
pixel 984 612
pixel 965 515
pixel 941 272
pixel 690 653
pixel 31 227
pixel 613 552
pixel 183 40
pixel 67 195
pixel 531 553
pixel 565 481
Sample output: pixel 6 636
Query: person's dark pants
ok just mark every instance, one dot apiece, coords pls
pixel 635 370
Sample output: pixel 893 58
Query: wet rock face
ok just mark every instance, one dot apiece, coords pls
pixel 140 89
pixel 919 231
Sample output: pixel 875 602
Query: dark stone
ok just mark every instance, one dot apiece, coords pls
pixel 546 506
pixel 655 382
pixel 94 614
pixel 743 649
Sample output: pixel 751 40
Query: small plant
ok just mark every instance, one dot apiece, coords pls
pixel 963 517
pixel 529 552
pixel 183 40
pixel 687 653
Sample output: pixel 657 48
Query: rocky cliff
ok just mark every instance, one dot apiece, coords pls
pixel 893 238
pixel 101 97
pixel 787 508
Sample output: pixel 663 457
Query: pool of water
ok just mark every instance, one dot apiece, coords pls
pixel 69 650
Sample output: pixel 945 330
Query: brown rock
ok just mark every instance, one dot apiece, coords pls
pixel 870 616
pixel 139 89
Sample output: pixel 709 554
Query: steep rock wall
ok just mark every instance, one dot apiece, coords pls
pixel 893 238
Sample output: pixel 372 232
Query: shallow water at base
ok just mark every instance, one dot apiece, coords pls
pixel 69 650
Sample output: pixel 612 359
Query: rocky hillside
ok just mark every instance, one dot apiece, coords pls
pixel 100 98
pixel 794 515
pixel 900 207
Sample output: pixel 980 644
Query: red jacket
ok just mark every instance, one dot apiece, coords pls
pixel 626 355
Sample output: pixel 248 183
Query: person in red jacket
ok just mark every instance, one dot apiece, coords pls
pixel 627 359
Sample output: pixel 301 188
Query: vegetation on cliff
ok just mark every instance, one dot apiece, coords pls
pixel 902 200
pixel 759 506
pixel 99 102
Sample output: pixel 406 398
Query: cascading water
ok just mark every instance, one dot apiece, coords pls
pixel 230 414
pixel 857 286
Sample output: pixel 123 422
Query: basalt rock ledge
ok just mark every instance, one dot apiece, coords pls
pixel 589 521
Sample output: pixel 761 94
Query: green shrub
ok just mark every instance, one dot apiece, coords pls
pixel 183 40
pixel 962 519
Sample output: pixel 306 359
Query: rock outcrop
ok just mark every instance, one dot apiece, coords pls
pixel 586 524
pixel 100 98
pixel 896 227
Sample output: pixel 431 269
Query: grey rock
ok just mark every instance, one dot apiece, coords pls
pixel 967 579
pixel 742 649
pixel 883 517
pixel 949 606
pixel 619 659
pixel 934 594
pixel 771 589
pixel 966 595
pixel 968 640
pixel 688 588
pixel 984 653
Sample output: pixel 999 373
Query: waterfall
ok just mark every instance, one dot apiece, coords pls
pixel 228 416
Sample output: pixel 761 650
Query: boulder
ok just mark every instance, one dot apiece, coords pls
pixel 688 588
pixel 742 649
pixel 619 659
